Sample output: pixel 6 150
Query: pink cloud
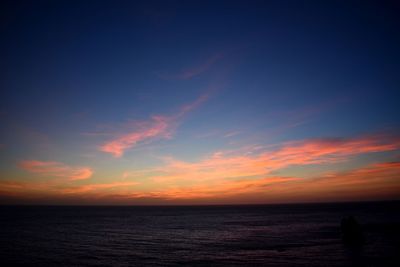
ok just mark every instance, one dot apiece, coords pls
pixel 158 127
pixel 329 149
pixel 56 169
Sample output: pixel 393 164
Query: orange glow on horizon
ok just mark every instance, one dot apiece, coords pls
pixel 224 177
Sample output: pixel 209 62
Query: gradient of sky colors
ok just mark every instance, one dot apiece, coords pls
pixel 199 102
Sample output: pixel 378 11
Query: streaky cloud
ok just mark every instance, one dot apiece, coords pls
pixel 157 127
pixel 376 181
pixel 233 177
pixel 56 169
pixel 222 165
pixel 96 187
pixel 194 71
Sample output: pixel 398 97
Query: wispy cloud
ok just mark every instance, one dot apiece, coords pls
pixel 376 181
pixel 234 176
pixel 56 169
pixel 97 187
pixel 318 151
pixel 191 72
pixel 221 189
pixel 157 127
pixel 231 134
pixel 57 190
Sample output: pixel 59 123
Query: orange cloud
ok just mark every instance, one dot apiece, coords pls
pixel 376 181
pixel 158 127
pixel 23 187
pixel 221 166
pixel 54 191
pixel 221 188
pixel 234 177
pixel 57 169
pixel 97 187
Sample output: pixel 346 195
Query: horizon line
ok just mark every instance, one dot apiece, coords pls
pixel 201 205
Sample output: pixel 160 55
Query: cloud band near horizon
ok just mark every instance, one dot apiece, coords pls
pixel 56 169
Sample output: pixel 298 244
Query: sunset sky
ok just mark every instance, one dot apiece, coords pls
pixel 199 102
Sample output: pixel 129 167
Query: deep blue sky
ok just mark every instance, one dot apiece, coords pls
pixel 76 74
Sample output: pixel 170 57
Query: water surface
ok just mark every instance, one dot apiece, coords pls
pixel 255 235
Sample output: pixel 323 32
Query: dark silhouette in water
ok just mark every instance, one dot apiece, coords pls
pixel 352 233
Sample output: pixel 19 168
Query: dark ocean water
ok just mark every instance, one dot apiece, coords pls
pixel 263 235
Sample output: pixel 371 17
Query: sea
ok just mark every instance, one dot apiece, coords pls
pixel 237 235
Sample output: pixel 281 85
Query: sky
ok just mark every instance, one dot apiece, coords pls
pixel 199 102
